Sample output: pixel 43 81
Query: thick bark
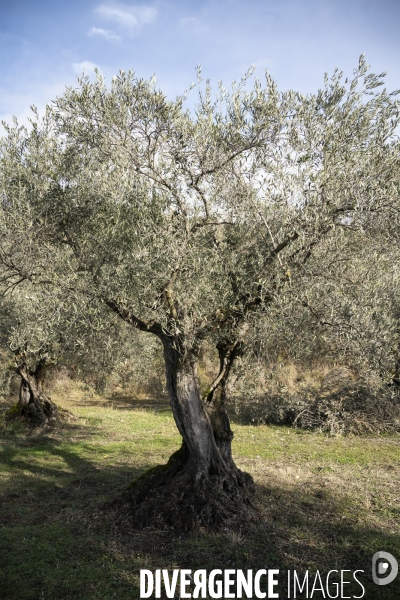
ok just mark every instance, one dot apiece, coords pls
pixel 200 486
pixel 216 398
pixel 33 405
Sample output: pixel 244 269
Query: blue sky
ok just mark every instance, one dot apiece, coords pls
pixel 45 44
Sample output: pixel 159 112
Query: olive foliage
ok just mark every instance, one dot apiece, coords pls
pixel 185 219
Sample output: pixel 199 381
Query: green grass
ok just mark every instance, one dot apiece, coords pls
pixel 325 503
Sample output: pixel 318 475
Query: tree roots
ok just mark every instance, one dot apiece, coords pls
pixel 174 496
pixel 46 413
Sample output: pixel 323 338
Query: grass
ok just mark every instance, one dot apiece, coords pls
pixel 325 503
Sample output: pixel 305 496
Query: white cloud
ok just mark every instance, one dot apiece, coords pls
pixel 194 24
pixel 85 65
pixel 188 21
pixel 130 17
pixel 262 64
pixel 106 33
pixel 18 102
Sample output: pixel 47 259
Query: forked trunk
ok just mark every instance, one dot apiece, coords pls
pixel 200 486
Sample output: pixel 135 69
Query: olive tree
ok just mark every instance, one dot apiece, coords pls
pixel 345 304
pixel 43 329
pixel 356 303
pixel 32 347
pixel 186 225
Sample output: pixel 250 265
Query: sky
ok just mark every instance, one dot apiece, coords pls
pixel 46 44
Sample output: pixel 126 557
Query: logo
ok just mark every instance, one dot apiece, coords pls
pixel 385 564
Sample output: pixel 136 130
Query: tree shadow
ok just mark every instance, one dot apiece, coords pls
pixel 56 537
pixel 62 538
pixel 123 402
pixel 302 531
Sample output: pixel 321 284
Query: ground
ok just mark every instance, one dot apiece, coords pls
pixel 325 503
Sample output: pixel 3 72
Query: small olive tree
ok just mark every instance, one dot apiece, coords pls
pixel 32 346
pixel 187 225
pixel 41 329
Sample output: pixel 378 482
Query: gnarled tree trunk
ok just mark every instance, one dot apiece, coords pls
pixel 33 405
pixel 200 486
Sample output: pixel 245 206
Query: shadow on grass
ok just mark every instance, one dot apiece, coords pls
pixel 55 538
pixel 122 402
pixel 59 541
